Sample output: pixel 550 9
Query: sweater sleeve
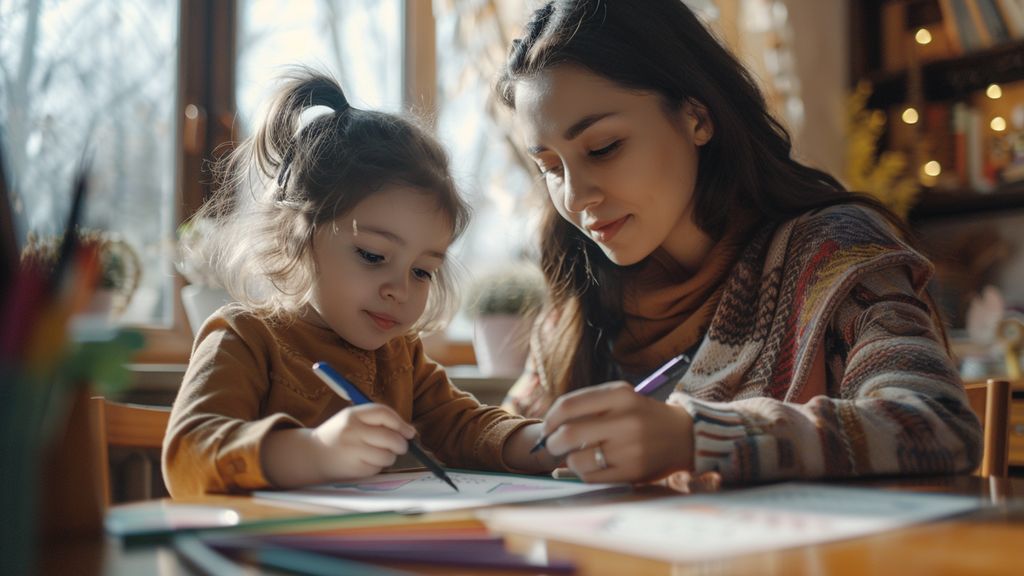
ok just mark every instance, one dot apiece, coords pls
pixel 216 429
pixel 453 424
pixel 899 407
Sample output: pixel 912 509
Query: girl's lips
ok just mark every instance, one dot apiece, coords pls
pixel 606 232
pixel 382 321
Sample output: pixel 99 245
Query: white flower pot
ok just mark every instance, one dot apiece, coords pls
pixel 501 343
pixel 201 301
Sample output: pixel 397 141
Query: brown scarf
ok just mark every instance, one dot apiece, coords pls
pixel 667 308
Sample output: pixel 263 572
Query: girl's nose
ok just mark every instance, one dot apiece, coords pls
pixel 396 289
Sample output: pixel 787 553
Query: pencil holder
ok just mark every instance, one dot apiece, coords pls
pixel 70 498
pixel 19 473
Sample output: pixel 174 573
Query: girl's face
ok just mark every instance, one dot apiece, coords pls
pixel 375 265
pixel 618 165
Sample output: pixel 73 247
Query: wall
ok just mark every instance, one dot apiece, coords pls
pixel 821 48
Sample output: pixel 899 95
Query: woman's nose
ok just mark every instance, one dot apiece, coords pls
pixel 579 192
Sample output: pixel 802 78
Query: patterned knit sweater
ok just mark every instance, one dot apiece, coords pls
pixel 892 403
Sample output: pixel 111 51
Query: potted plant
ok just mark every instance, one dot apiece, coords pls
pixel 120 269
pixel 204 293
pixel 503 304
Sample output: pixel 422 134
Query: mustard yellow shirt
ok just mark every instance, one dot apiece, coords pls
pixel 247 377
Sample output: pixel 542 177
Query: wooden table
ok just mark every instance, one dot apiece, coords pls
pixel 988 542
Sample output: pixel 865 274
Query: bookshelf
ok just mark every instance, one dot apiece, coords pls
pixel 975 43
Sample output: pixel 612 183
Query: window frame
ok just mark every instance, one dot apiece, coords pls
pixel 206 53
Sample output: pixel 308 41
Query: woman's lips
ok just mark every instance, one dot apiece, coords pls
pixel 605 232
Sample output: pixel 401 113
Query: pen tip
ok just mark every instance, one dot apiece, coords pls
pixel 537 447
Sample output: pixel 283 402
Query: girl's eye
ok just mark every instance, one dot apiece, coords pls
pixel 422 274
pixel 606 150
pixel 369 257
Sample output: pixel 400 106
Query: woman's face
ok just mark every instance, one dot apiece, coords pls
pixel 618 165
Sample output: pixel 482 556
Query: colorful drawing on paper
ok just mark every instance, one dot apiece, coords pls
pixel 385 486
pixel 422 491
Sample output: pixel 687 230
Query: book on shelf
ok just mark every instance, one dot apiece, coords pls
pixel 958 20
pixel 1012 12
pixel 989 22
pixel 978 24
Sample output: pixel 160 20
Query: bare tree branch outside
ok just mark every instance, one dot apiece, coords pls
pixel 98 78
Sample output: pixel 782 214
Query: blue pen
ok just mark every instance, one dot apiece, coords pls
pixel 348 391
pixel 669 372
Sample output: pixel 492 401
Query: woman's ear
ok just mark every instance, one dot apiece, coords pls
pixel 698 121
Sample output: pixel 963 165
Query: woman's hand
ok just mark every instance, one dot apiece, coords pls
pixel 357 442
pixel 609 433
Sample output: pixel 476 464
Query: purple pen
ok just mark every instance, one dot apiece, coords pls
pixel 669 372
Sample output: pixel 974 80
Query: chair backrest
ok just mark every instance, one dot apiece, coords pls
pixel 991 402
pixel 125 425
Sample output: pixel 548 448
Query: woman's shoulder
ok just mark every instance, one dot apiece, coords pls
pixel 845 225
pixel 845 239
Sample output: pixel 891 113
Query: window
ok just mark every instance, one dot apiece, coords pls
pixel 359 42
pixel 97 80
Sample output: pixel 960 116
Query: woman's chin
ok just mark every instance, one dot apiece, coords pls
pixel 622 257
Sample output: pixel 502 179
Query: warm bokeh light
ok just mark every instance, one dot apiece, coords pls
pixel 910 115
pixel 933 168
pixel 994 91
pixel 998 124
pixel 923 36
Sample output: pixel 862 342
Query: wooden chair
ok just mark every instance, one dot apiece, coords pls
pixel 128 426
pixel 991 402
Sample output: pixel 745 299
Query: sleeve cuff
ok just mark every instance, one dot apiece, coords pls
pixel 489 448
pixel 716 434
pixel 239 461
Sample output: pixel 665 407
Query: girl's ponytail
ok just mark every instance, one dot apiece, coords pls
pixel 275 142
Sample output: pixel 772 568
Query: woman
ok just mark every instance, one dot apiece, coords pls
pixel 679 222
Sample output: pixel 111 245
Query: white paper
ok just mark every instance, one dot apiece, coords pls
pixel 709 526
pixel 423 492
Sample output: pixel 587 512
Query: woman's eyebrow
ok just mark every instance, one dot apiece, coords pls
pixel 584 123
pixel 576 129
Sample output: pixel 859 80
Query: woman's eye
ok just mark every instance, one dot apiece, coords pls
pixel 425 275
pixel 606 150
pixel 369 257
pixel 551 170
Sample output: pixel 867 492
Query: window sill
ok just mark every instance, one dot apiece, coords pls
pixel 157 384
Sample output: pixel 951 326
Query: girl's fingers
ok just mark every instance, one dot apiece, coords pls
pixel 381 415
pixel 384 439
pixel 376 457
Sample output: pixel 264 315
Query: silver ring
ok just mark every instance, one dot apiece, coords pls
pixel 599 458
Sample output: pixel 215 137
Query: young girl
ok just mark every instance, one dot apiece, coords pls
pixel 679 222
pixel 333 232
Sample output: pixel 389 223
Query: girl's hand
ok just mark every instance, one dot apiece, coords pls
pixel 609 433
pixel 360 441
